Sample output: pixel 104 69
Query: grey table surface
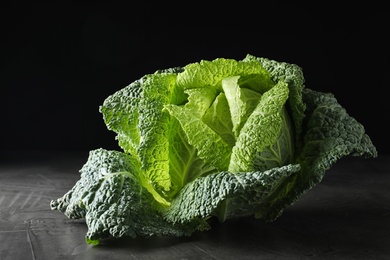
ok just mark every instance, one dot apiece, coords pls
pixel 346 216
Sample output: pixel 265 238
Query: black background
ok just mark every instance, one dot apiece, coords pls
pixel 61 59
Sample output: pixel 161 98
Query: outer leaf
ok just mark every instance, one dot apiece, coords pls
pixel 227 195
pixel 330 134
pixel 113 202
pixel 120 113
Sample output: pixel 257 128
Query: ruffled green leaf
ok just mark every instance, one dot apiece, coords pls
pixel 227 195
pixel 113 202
pixel 261 130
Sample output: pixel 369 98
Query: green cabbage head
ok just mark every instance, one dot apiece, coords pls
pixel 221 138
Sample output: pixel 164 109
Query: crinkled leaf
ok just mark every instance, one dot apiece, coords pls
pixel 242 101
pixel 200 99
pixel 120 113
pixel 227 195
pixel 114 203
pixel 154 126
pixel 261 129
pixel 184 163
pixel 330 134
pixel 210 146
pixel 292 74
pixel 210 73
pixel 218 118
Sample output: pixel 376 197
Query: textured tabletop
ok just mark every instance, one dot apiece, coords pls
pixel 346 216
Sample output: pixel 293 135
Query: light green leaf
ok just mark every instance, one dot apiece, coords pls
pixel 292 74
pixel 242 102
pixel 184 163
pixel 211 73
pixel 200 99
pixel 210 146
pixel 155 128
pixel 261 130
pixel 218 118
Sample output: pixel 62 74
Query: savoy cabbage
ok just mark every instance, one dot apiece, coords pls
pixel 221 138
